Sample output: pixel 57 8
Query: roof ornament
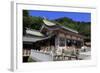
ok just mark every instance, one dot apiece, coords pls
pixel 44 18
pixel 47 22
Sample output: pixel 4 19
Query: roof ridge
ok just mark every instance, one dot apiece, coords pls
pixel 63 26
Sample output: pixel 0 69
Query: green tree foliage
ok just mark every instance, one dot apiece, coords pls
pixel 31 21
pixel 36 22
pixel 26 20
pixel 25 13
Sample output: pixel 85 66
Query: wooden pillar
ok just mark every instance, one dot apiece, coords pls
pixel 82 42
pixel 65 39
pixel 56 42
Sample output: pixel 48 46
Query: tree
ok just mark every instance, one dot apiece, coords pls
pixel 25 13
pixel 36 22
pixel 26 21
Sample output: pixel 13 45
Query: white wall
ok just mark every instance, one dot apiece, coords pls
pixel 5 38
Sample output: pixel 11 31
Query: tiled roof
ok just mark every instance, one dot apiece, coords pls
pixel 53 25
pixel 48 23
pixel 34 32
pixel 34 38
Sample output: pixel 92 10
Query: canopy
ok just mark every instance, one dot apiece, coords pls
pixel 34 38
pixel 34 32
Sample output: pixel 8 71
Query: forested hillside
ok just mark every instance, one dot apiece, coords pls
pixel 33 22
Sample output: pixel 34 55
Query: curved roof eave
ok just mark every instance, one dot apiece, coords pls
pixel 69 29
pixel 49 23
pixel 34 32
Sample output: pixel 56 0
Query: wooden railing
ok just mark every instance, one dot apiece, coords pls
pixel 26 52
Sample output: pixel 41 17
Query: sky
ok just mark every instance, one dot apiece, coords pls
pixel 76 16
